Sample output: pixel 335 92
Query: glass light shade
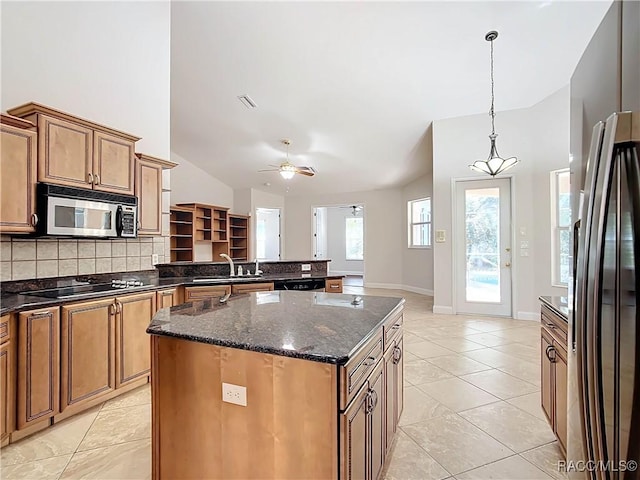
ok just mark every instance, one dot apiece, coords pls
pixel 287 171
pixel 495 164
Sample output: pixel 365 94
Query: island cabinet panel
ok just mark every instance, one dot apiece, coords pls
pixel 133 351
pixel 87 360
pixel 546 393
pixel 167 298
pixel 38 366
pixel 7 379
pixel 288 430
pixel 394 378
pixel 252 287
pixel 201 293
pixel 333 285
pixel 355 373
pixel 113 163
pixel 18 176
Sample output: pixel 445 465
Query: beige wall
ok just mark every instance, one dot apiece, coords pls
pixel 539 137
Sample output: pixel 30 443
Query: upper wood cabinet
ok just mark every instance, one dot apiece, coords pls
pixel 18 175
pixel 79 153
pixel 148 189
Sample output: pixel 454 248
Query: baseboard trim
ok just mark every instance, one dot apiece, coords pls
pixel 443 309
pixel 533 316
pixel 391 286
pixel 344 272
pixel 421 291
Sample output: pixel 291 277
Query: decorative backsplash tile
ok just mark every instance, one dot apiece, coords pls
pixel 27 258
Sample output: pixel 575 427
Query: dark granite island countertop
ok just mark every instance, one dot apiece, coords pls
pixel 313 326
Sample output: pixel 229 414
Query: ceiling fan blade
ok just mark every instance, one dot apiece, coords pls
pixel 270 170
pixel 308 171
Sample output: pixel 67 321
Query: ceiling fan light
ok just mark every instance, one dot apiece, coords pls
pixel 287 171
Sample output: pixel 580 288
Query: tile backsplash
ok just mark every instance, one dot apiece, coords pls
pixel 29 258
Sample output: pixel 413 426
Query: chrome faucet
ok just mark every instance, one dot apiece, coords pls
pixel 224 255
pixel 258 271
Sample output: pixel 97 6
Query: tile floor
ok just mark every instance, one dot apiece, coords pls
pixel 471 411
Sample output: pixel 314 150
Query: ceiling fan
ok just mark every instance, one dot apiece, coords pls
pixel 287 169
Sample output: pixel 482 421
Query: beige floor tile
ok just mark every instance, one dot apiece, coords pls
pixel 457 394
pixel 131 460
pixel 512 468
pixel 487 339
pixel 530 403
pixel 490 356
pixel 139 396
pixel 422 371
pixel 57 440
pixel 427 349
pixel 510 425
pixel 456 444
pixel 45 469
pixel 458 364
pixel 546 458
pixel 409 337
pixel 410 462
pixel 521 333
pixel 526 370
pixel 458 344
pixel 418 406
pixel 118 425
pixel 500 384
pixel 409 357
pixel 490 326
pixel 521 350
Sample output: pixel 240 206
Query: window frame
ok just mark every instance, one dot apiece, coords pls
pixel 557 229
pixel 411 224
pixel 346 239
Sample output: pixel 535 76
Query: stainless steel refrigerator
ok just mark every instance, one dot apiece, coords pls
pixel 604 329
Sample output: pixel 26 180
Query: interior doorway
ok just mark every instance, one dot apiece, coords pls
pixel 338 235
pixel 268 233
pixel 483 247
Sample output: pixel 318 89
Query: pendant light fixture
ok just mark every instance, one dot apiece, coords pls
pixel 287 170
pixel 494 164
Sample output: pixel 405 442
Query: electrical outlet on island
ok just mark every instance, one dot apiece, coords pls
pixel 306 267
pixel 234 394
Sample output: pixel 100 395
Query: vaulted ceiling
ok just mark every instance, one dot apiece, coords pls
pixel 354 85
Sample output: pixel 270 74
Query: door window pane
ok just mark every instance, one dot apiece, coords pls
pixel 420 222
pixel 482 236
pixel 354 234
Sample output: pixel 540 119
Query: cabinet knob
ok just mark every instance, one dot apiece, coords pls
pixel 397 354
pixel 369 361
pixel 90 175
pixel 97 179
pixel 551 350
pixel 34 219
pixel 372 400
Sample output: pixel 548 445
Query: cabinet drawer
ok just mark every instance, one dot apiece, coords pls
pixel 252 287
pixel 333 285
pixel 391 328
pixel 555 325
pixel 5 332
pixel 201 293
pixel 356 371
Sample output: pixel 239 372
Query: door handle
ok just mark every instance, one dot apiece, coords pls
pixel 90 175
pixel 34 219
pixel 97 179
pixel 508 264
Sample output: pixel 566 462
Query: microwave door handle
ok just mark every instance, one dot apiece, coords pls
pixel 119 222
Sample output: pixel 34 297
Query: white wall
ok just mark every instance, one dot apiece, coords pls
pixel 190 184
pixel 247 200
pixel 108 62
pixel 539 137
pixel 336 242
pixel 417 263
pixel 383 224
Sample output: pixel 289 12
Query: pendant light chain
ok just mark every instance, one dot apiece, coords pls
pixel 492 111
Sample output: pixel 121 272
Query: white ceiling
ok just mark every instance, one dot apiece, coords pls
pixel 355 85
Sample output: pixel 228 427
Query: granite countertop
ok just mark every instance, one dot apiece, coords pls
pixel 317 326
pixel 14 302
pixel 558 305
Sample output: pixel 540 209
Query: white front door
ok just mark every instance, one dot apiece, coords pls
pixel 483 247
pixel 268 233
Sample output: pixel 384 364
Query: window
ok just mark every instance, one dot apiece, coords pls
pixel 560 226
pixel 419 222
pixel 354 235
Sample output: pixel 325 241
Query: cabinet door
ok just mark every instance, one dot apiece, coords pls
pixel 377 421
pixel 113 163
pixel 133 350
pixel 354 443
pixel 560 405
pixel 7 390
pixel 399 361
pixel 38 365
pixel 333 285
pixel 149 193
pixel 390 396
pixel 546 382
pixel 252 287
pixel 201 293
pixel 65 152
pixel 88 341
pixel 167 298
pixel 18 177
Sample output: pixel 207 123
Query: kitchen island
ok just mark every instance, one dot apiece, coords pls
pixel 319 377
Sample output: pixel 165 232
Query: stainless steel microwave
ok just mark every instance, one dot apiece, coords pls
pixel 77 212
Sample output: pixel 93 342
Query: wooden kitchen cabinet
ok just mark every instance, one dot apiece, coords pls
pixel 38 395
pixel 133 351
pixel 18 175
pixel 333 285
pixel 148 189
pixel 76 152
pixel 7 380
pixel 252 287
pixel 201 293
pixel 553 351
pixel 394 387
pixel 167 298
pixel 87 346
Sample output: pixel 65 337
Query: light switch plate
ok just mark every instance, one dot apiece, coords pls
pixel 306 267
pixel 441 236
pixel 154 259
pixel 235 394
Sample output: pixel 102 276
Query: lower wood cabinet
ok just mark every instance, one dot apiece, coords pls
pixel 333 285
pixel 394 382
pixel 7 380
pixel 38 392
pixel 201 293
pixel 88 360
pixel 252 287
pixel 167 298
pixel 133 352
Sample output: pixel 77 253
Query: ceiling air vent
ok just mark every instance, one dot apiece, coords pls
pixel 247 101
